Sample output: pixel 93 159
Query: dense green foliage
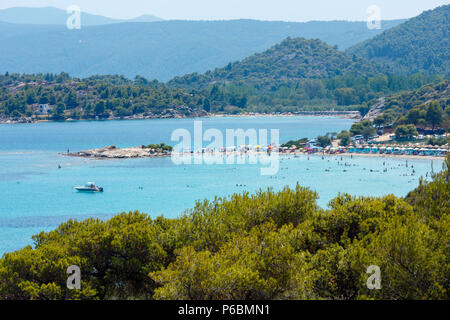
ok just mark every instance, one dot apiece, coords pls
pixel 428 106
pixel 263 246
pixel 420 44
pixel 296 143
pixel 161 146
pixel 344 138
pixel 364 128
pixel 99 96
pixel 437 141
pixel 338 93
pixel 406 131
pixel 324 141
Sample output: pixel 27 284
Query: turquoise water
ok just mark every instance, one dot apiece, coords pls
pixel 35 195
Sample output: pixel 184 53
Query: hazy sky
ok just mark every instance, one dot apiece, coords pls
pixel 290 10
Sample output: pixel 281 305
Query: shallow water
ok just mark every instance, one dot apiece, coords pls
pixel 35 195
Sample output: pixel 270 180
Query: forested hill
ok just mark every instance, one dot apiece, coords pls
pixel 421 44
pixel 429 105
pixel 292 59
pixel 61 97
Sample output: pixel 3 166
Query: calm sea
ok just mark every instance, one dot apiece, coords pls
pixel 35 195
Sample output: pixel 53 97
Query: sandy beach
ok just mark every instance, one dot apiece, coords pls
pixel 374 155
pixel 387 156
pixel 111 152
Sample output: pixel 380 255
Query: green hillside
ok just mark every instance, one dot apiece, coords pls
pixel 94 97
pixel 427 107
pixel 421 44
pixel 299 74
pixel 292 59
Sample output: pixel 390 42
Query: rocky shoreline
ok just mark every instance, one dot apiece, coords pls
pixel 112 152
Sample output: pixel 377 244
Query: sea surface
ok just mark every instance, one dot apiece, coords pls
pixel 35 195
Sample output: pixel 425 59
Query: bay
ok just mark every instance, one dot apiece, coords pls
pixel 35 195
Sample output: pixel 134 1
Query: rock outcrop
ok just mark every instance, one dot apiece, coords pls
pixel 376 109
pixel 112 152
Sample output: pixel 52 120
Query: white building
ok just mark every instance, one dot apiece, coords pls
pixel 43 109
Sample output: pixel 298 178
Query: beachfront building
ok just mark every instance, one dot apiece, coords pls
pixel 43 109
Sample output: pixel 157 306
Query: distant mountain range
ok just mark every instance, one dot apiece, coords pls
pixel 166 49
pixel 55 16
pixel 157 50
pixel 421 44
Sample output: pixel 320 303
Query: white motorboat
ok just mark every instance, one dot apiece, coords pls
pixel 89 187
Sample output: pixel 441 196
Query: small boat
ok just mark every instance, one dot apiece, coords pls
pixel 89 187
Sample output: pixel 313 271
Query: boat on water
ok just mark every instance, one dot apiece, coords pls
pixel 89 187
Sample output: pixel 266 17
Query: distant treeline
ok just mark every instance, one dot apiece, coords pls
pixel 338 93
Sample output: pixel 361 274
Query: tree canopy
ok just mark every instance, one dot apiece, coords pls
pixel 420 44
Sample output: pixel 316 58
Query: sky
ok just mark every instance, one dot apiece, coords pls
pixel 286 10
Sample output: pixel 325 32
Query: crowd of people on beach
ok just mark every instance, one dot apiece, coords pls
pixel 386 150
pixel 367 150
